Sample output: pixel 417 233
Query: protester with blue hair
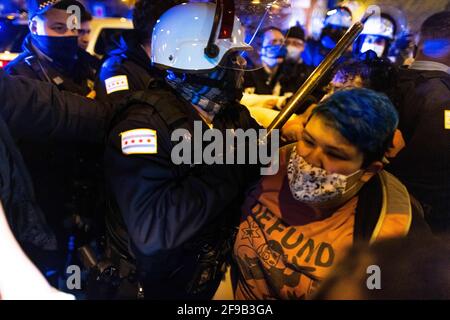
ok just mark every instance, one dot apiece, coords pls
pixel 331 192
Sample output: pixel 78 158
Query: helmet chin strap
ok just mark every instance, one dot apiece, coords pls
pixel 224 15
pixel 212 50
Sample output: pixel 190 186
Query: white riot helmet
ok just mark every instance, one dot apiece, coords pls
pixel 336 23
pixel 195 37
pixel 339 17
pixel 379 26
pixel 378 34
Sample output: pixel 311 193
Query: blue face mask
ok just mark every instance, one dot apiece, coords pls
pixel 62 50
pixel 274 52
pixel 271 54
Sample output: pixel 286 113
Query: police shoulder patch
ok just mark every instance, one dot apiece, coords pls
pixel 139 141
pixel 117 83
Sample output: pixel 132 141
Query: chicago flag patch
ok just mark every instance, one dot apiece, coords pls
pixel 139 141
pixel 117 83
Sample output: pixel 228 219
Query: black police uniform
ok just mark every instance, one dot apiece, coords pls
pixel 34 65
pixel 424 164
pixel 180 219
pixel 37 111
pixel 131 63
pixel 66 176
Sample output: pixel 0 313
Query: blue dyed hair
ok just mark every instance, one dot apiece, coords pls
pixel 367 119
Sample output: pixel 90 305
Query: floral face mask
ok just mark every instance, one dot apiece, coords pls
pixel 315 186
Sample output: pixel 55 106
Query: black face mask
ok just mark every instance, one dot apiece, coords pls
pixel 62 50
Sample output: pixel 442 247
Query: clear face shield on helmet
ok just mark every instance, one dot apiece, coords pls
pixel 213 44
pixel 266 31
pixel 201 36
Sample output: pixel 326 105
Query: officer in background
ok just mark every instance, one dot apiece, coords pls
pixel 67 177
pixel 179 220
pixel 84 37
pixel 423 93
pixel 37 111
pixel 337 22
pixel 51 51
pixel 84 33
pixel 128 68
pixel 378 35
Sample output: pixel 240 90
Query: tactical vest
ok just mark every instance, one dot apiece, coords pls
pixel 168 108
pixel 161 99
pixel 212 248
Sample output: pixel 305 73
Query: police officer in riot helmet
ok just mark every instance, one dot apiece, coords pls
pixel 377 35
pixel 130 62
pixel 337 22
pixel 176 222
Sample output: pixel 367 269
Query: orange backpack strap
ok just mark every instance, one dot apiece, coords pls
pixel 384 209
pixel 395 216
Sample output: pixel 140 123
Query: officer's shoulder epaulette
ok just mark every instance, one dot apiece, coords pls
pixel 131 111
pixel 138 111
pixel 136 104
pixel 160 100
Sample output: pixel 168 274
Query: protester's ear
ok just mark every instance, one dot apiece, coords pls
pixel 372 170
pixel 398 143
